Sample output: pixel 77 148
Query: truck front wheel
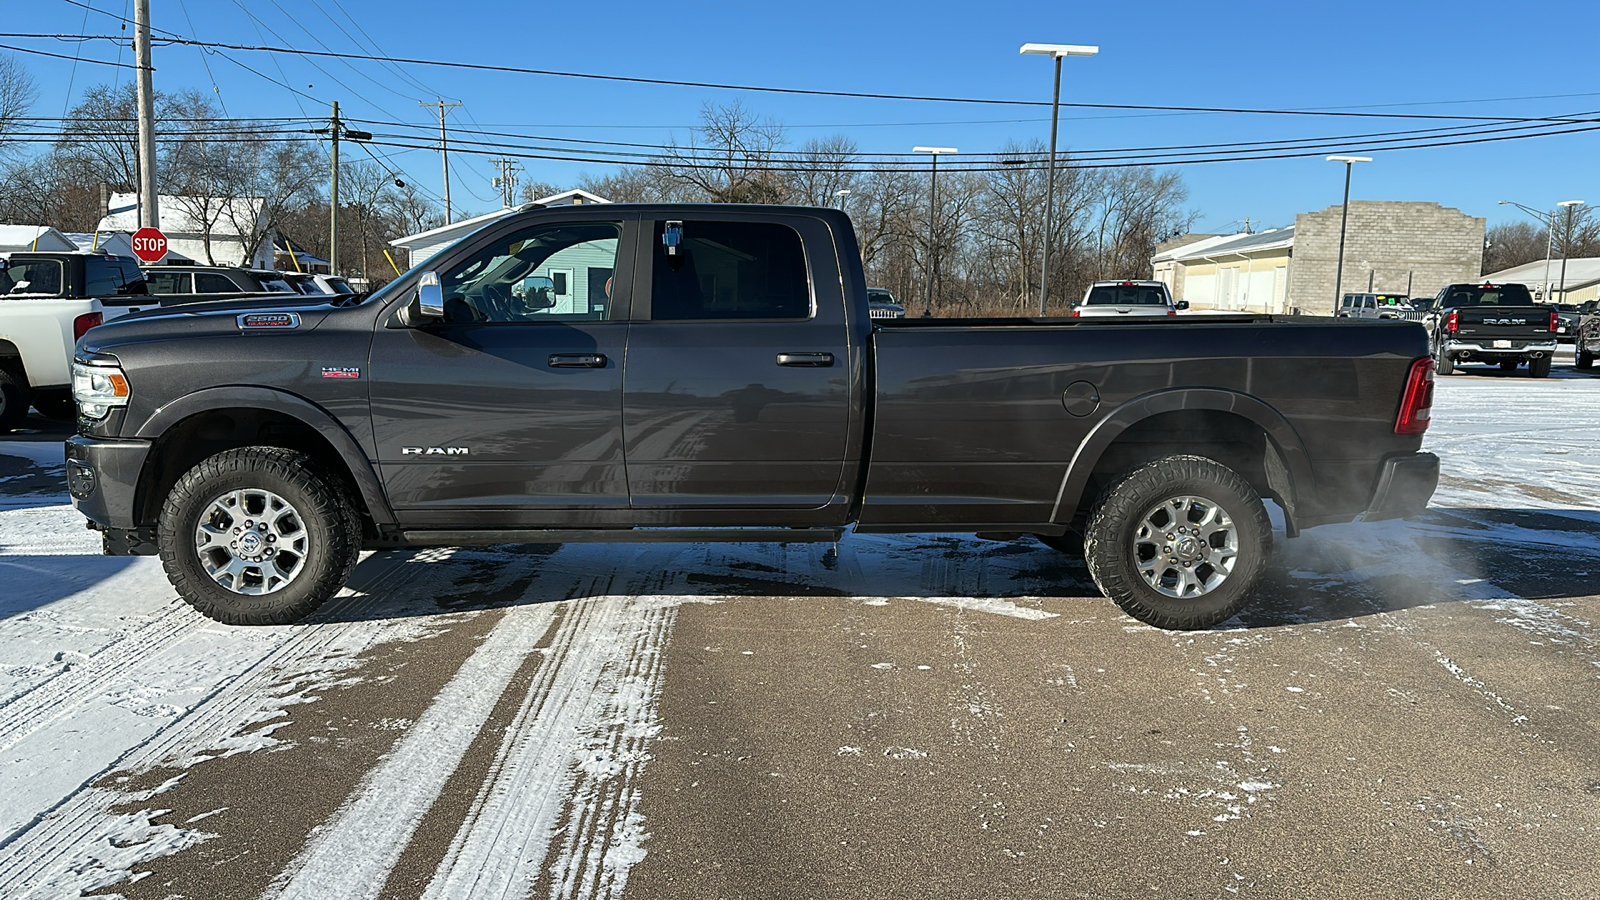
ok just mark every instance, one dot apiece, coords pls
pixel 1179 543
pixel 258 536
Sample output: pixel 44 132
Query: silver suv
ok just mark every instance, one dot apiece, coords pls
pixel 1127 298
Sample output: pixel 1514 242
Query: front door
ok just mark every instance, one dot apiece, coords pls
pixel 738 389
pixel 509 411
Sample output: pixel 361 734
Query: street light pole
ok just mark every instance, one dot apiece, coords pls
pixel 1057 51
pixel 1344 216
pixel 1566 241
pixel 933 212
pixel 841 194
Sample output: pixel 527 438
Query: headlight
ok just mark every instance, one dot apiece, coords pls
pixel 98 388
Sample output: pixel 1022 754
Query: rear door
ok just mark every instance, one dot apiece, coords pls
pixel 509 412
pixel 741 387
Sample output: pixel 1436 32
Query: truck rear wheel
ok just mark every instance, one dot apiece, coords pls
pixel 1179 543
pixel 1539 368
pixel 13 402
pixel 1446 364
pixel 258 536
pixel 1581 358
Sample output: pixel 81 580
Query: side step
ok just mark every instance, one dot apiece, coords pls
pixel 472 538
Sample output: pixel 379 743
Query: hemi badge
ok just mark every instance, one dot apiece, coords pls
pixel 340 372
pixel 269 320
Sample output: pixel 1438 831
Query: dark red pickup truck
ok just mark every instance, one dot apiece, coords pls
pixel 711 373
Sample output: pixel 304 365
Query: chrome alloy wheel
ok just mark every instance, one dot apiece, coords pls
pixel 1185 547
pixel 251 541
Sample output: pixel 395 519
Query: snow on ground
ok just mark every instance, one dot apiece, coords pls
pixel 94 645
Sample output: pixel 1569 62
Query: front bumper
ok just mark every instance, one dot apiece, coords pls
pixel 1404 487
pixel 103 478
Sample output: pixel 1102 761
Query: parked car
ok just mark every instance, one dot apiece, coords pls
pixel 1126 298
pixel 1568 318
pixel 1586 342
pixel 882 305
pixel 334 284
pixel 182 280
pixel 47 301
pixel 304 283
pixel 1492 323
pixel 257 450
pixel 1376 306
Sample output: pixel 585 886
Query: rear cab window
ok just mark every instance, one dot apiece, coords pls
pixel 33 276
pixel 214 283
pixel 1488 295
pixel 162 282
pixel 1126 295
pixel 730 270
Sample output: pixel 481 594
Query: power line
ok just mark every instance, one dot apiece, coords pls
pixel 864 95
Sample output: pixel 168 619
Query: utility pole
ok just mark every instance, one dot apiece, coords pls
pixel 444 152
pixel 149 212
pixel 333 198
pixel 507 182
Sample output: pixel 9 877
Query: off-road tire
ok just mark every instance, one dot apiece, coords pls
pixel 1109 542
pixel 1539 368
pixel 331 523
pixel 1582 359
pixel 56 404
pixel 1446 365
pixel 13 402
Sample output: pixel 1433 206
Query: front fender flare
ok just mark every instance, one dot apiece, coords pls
pixel 1284 439
pixel 294 406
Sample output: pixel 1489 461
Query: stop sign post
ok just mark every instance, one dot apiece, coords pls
pixel 149 244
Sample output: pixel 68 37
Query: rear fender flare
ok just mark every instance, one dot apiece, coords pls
pixel 345 444
pixel 1280 434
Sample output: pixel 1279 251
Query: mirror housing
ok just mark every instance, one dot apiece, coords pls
pixel 1181 304
pixel 430 296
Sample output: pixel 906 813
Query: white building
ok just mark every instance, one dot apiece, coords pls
pixel 186 232
pixel 424 244
pixel 15 238
pixel 1582 279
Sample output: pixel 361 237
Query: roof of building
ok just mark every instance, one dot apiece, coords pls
pixel 1581 272
pixel 1230 245
pixel 176 216
pixel 33 237
pixel 457 230
pixel 116 243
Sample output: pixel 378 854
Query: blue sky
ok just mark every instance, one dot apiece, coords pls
pixel 1436 57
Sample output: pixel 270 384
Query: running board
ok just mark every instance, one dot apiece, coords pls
pixel 622 536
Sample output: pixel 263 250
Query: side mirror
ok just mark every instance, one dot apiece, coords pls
pixel 430 296
pixel 536 292
pixel 1181 304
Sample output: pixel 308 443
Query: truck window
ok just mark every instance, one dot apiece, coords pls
pixel 160 282
pixel 32 276
pixel 1126 295
pixel 731 270
pixel 100 277
pixel 132 278
pixel 514 279
pixel 214 283
pixel 1489 295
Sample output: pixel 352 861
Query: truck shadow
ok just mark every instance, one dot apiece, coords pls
pixel 1328 574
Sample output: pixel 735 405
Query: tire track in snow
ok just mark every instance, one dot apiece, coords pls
pixel 79 845
pixel 558 814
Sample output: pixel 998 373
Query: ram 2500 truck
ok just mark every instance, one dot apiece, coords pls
pixel 1492 323
pixel 711 373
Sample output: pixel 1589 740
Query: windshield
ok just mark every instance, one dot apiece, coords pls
pixel 31 276
pixel 275 284
pixel 879 295
pixel 1392 300
pixel 1127 295
pixel 340 286
pixel 1488 295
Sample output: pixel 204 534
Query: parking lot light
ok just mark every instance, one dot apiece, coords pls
pixel 1344 216
pixel 1056 52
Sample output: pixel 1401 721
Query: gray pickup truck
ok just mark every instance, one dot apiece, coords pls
pixel 711 373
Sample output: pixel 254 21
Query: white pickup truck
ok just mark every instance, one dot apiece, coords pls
pixel 47 302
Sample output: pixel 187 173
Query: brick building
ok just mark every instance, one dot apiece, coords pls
pixel 1391 246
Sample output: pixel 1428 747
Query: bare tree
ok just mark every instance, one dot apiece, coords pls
pixel 268 179
pixel 729 158
pixel 17 93
pixel 1512 244
pixel 641 184
pixel 414 212
pixel 824 167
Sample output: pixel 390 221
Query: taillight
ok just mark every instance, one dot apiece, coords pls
pixel 85 322
pixel 1072 313
pixel 1554 317
pixel 1416 404
pixel 1452 322
pixel 1172 312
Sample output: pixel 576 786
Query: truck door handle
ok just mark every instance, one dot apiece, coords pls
pixel 819 360
pixel 577 360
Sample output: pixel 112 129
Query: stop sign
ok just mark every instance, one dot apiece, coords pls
pixel 149 244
